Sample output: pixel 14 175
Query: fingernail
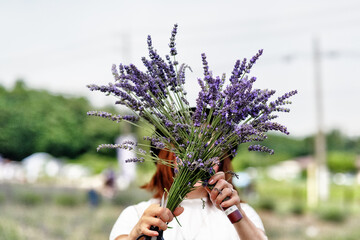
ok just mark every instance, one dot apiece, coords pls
pixel 211 181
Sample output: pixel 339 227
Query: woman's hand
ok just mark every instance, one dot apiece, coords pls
pixel 221 190
pixel 156 216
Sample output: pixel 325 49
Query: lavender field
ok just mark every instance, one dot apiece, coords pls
pixel 39 212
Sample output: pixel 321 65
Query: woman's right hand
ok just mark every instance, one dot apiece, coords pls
pixel 156 216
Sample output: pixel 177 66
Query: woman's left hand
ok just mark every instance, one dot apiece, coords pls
pixel 221 190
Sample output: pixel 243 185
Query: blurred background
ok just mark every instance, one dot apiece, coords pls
pixel 53 183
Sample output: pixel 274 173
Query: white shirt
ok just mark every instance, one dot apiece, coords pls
pixel 196 222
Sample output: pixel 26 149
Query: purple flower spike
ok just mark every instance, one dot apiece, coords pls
pixel 172 44
pixel 116 118
pixel 260 148
pixel 135 160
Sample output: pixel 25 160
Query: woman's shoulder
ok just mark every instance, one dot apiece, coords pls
pixel 246 207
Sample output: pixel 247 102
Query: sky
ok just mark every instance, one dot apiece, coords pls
pixel 62 46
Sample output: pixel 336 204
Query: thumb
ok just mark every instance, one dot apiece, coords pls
pixel 208 190
pixel 178 211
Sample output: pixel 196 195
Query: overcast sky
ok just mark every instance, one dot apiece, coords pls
pixel 63 45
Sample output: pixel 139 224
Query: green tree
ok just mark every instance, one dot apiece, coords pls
pixel 37 121
pixel 341 161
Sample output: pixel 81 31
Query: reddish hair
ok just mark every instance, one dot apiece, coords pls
pixel 164 175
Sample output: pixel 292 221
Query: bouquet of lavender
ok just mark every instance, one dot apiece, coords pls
pixel 224 117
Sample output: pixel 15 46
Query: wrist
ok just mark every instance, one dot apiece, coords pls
pixel 233 213
pixel 134 234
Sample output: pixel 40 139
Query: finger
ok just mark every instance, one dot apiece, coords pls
pixel 170 215
pixel 234 200
pixel 166 216
pixel 150 211
pixel 149 232
pixel 157 222
pixel 208 190
pixel 178 211
pixel 216 177
pixel 217 190
pixel 226 192
pixel 155 210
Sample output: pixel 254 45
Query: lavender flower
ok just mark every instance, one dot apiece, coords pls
pixel 142 151
pixel 172 44
pixel 135 160
pixel 116 118
pixel 127 145
pixel 260 148
pixel 224 117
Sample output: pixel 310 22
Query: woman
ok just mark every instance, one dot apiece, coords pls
pixel 198 220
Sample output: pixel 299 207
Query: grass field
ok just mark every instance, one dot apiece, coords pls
pixel 34 212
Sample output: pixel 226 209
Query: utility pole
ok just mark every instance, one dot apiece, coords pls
pixel 318 181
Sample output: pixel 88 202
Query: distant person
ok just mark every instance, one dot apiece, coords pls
pixel 94 198
pixel 109 183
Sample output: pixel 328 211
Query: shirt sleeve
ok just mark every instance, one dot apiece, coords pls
pixel 125 223
pixel 253 216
